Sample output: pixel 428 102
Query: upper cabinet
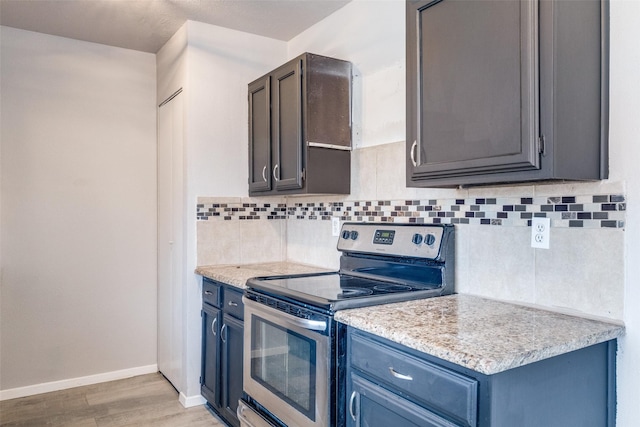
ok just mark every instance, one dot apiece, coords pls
pixel 506 91
pixel 260 135
pixel 300 128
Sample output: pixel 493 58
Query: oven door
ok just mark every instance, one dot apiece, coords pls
pixel 287 364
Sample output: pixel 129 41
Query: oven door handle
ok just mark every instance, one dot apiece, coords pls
pixel 312 325
pixel 308 324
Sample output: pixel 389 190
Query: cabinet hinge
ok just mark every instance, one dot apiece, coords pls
pixel 541 145
pixel 303 175
pixel 200 380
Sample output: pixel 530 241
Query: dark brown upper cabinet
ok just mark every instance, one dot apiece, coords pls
pixel 260 135
pixel 506 91
pixel 300 128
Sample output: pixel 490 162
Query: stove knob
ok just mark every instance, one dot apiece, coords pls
pixel 417 239
pixel 430 239
pixel 354 235
pixel 345 234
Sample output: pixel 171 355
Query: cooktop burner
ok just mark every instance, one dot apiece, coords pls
pixel 392 288
pixel 354 292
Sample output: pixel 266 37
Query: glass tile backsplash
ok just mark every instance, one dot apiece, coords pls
pixel 586 211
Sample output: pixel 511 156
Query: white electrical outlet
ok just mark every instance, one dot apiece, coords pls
pixel 540 232
pixel 335 226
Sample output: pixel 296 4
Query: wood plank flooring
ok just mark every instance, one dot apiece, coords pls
pixel 146 400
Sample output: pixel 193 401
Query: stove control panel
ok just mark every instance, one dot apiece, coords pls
pixel 406 240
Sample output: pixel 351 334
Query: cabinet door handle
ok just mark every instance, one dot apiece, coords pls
pixel 275 175
pixel 223 334
pixel 352 409
pixel 399 375
pixel 413 155
pixel 213 326
pixel 264 171
pixel 232 304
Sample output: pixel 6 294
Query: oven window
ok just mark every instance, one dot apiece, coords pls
pixel 284 362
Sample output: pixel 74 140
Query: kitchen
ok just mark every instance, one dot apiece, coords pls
pixel 119 305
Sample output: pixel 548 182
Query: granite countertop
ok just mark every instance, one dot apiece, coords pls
pixel 484 335
pixel 481 334
pixel 238 274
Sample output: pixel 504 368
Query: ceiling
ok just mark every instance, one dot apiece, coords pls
pixel 146 25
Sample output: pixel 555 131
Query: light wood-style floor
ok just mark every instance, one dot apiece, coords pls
pixel 146 400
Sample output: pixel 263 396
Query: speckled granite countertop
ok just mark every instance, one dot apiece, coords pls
pixel 484 335
pixel 237 275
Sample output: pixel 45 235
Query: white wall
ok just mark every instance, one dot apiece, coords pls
pixel 78 210
pixel 214 65
pixel 625 154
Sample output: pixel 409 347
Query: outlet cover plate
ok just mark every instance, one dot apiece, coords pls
pixel 540 232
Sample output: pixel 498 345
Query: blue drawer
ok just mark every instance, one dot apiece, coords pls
pixel 439 389
pixel 232 302
pixel 211 293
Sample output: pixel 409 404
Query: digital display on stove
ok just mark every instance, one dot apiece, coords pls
pixel 384 237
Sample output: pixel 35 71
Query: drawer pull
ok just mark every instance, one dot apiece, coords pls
pixel 233 304
pixel 399 375
pixel 352 410
pixel 208 293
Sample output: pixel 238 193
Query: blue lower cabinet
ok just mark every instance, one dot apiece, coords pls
pixel 231 377
pixel 210 374
pixel 222 348
pixel 391 385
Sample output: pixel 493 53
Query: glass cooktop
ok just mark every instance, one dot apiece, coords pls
pixel 380 263
pixel 335 291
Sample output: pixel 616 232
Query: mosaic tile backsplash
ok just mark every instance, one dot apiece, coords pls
pixel 587 211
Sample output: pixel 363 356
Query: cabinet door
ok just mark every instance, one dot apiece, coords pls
pixel 232 351
pixel 472 87
pixel 287 140
pixel 260 135
pixel 210 374
pixel 371 405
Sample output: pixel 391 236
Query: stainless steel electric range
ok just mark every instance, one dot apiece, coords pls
pixel 294 350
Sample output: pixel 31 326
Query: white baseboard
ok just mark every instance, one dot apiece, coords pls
pixel 31 390
pixel 189 401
